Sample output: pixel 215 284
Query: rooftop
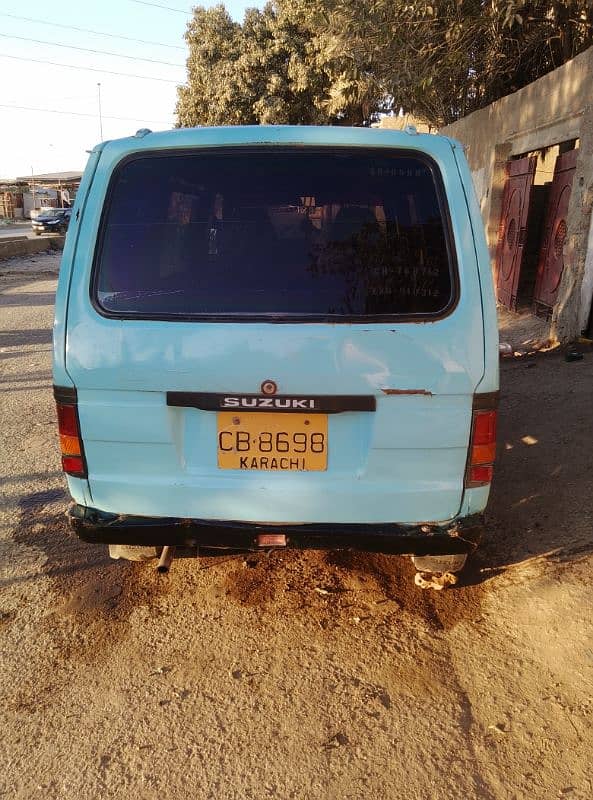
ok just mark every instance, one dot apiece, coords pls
pixel 51 177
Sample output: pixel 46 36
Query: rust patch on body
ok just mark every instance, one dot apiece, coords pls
pixel 424 392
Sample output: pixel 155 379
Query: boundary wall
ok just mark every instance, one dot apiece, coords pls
pixel 555 109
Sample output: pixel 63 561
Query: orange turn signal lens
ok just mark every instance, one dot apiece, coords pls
pixel 69 445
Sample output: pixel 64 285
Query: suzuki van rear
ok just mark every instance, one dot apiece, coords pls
pixel 278 336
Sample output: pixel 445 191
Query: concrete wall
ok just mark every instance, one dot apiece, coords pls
pixel 553 109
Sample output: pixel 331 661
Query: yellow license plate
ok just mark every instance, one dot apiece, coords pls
pixel 268 441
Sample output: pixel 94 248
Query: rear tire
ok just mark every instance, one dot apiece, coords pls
pixel 452 563
pixel 130 552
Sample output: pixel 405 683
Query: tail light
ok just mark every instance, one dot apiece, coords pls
pixel 73 461
pixel 482 448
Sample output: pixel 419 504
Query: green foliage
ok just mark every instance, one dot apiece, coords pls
pixel 346 61
pixel 443 59
pixel 274 68
pixel 261 72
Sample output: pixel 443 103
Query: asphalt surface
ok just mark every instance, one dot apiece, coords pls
pixel 20 229
pixel 295 675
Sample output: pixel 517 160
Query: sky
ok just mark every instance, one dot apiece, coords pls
pixel 33 135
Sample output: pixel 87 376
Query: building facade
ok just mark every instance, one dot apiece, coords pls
pixel 531 156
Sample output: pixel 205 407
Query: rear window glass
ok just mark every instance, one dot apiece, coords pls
pixel 290 233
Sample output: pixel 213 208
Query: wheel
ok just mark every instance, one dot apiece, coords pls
pixel 452 563
pixel 132 552
pixel 37 233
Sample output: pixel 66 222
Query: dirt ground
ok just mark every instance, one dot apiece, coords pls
pixel 522 330
pixel 307 676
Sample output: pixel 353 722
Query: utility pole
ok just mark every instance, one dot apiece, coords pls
pixel 100 117
pixel 33 187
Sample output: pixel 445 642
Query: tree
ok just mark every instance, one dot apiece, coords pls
pixel 274 68
pixel 211 95
pixel 253 73
pixel 347 61
pixel 446 58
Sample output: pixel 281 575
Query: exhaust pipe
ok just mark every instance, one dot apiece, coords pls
pixel 167 556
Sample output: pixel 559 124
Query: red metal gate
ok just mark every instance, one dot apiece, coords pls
pixel 551 256
pixel 512 231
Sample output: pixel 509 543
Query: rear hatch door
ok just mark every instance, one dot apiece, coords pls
pixel 279 334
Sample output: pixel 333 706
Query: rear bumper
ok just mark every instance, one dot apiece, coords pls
pixel 459 536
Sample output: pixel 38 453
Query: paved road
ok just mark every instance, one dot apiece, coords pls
pixel 16 230
pixel 20 229
pixel 306 676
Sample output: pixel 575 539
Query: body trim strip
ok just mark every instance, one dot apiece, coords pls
pixel 300 404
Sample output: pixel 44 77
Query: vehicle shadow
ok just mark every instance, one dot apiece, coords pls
pixel 42 524
pixel 87 584
pixel 541 504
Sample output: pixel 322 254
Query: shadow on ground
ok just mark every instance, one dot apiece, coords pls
pixel 89 587
pixel 541 503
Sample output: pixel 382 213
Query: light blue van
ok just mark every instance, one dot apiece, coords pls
pixel 278 336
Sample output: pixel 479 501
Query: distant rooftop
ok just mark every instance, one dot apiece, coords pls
pixel 51 177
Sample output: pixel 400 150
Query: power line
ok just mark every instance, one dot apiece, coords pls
pixel 88 50
pixel 95 33
pixel 165 8
pixel 82 114
pixel 88 69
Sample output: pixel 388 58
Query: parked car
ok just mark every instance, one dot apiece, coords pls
pixel 278 336
pixel 53 220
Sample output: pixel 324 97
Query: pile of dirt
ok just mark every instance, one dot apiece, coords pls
pixel 344 585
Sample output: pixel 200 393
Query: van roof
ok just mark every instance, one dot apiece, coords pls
pixel 324 135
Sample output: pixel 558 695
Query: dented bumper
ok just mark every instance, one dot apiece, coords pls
pixel 459 536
